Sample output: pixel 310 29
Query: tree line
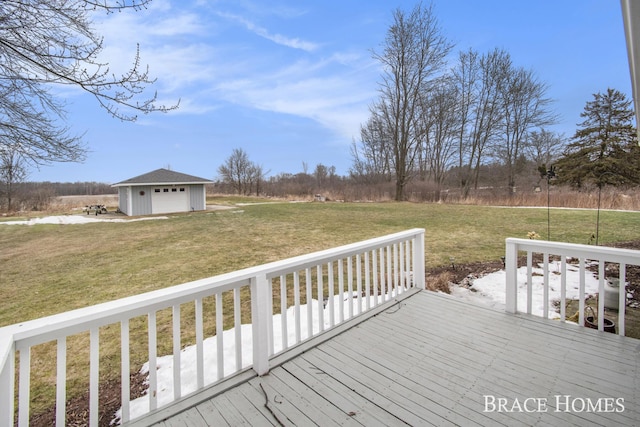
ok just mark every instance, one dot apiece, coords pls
pixel 430 118
pixel 435 122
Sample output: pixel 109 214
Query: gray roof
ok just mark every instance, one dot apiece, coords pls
pixel 163 177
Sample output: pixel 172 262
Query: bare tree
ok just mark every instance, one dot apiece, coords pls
pixel 321 174
pixel 372 157
pixel 483 112
pixel 466 76
pixel 12 171
pixel 256 178
pixel 236 170
pixel 414 52
pixel 524 107
pixel 544 147
pixel 241 173
pixel 32 130
pixel 441 120
pixel 52 42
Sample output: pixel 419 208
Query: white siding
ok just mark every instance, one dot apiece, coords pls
pixel 144 200
pixel 123 200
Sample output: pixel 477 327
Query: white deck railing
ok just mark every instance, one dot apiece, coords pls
pixel 585 255
pixel 369 273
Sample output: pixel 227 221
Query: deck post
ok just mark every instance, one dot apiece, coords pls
pixel 418 261
pixel 259 317
pixel 511 270
pixel 7 381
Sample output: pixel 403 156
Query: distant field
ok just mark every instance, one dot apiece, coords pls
pixel 47 269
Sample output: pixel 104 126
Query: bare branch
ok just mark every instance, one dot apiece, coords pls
pixel 44 43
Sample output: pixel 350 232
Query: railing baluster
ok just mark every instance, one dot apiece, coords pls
pixel 601 295
pixel 309 290
pixel 407 263
pixel 320 298
pixel 396 282
pixel 400 267
pixel 545 290
pixel 341 288
pixel 374 268
pixel 563 288
pixel 237 321
pixel 529 281
pixel 581 286
pixel 350 285
pixel 359 282
pixel 330 285
pixel 199 313
pixel 383 282
pixel 219 337
pixel 153 363
pixel 408 266
pixel 283 312
pixel 94 377
pixel 125 368
pixel 296 302
pixel 622 297
pixel 24 387
pixel 177 385
pixel 392 291
pixel 367 281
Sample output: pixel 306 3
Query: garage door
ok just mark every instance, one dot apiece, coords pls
pixel 169 199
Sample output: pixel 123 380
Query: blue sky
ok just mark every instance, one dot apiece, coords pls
pixel 290 82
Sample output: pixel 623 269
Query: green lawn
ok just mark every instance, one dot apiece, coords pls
pixel 47 269
pixel 80 265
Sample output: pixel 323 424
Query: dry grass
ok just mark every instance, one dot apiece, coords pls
pixel 561 198
pixel 440 282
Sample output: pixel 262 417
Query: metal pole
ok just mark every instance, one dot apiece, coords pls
pixel 548 210
pixel 598 216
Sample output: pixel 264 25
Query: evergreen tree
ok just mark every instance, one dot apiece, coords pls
pixel 604 150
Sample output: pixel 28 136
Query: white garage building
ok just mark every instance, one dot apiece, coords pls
pixel 162 191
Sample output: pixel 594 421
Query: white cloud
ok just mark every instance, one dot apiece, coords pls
pixel 197 61
pixel 335 102
pixel 173 43
pixel 294 43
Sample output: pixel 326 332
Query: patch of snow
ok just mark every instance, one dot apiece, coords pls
pixel 75 219
pixel 188 356
pixel 490 290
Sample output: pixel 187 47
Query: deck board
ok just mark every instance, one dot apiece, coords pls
pixel 430 360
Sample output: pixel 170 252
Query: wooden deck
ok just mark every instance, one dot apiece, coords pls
pixel 431 360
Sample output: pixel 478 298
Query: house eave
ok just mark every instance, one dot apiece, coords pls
pixel 631 19
pixel 165 184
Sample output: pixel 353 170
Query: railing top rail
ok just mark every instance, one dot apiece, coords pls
pixel 575 250
pixel 302 261
pixel 47 328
